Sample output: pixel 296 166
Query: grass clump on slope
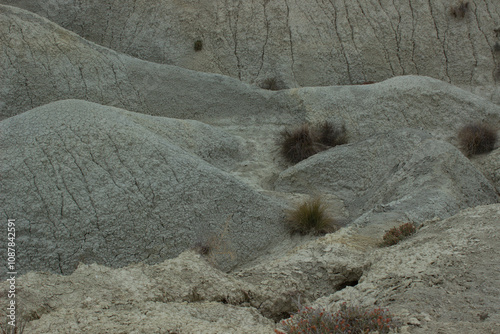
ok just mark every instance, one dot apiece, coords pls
pixel 304 141
pixel 311 216
pixel 477 138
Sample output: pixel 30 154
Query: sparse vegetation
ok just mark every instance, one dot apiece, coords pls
pixel 304 141
pixel 396 234
pixel 299 144
pixel 459 10
pixel 311 216
pixel 202 248
pixel 198 45
pixel 272 84
pixel 331 135
pixel 477 138
pixel 349 319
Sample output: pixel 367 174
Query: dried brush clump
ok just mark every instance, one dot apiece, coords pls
pixel 299 144
pixel 477 138
pixel 349 319
pixel 272 84
pixel 198 45
pixel 331 135
pixel 396 234
pixel 304 141
pixel 311 216
pixel 459 10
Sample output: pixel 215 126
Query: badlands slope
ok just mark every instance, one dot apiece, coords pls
pixel 116 164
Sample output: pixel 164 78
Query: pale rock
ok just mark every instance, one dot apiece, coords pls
pixel 305 43
pixel 461 250
pixel 489 165
pixel 91 183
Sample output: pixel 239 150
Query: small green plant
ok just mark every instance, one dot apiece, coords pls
pixel 198 45
pixel 459 10
pixel 396 234
pixel 477 138
pixel 311 216
pixel 304 141
pixel 349 319
pixel 331 135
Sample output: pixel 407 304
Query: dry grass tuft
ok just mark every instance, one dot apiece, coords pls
pixel 304 141
pixel 272 84
pixel 477 138
pixel 311 217
pixel 299 144
pixel 331 135
pixel 459 10
pixel 396 234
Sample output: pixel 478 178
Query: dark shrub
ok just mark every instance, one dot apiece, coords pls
pixel 198 45
pixel 302 142
pixel 477 138
pixel 272 84
pixel 460 9
pixel 331 135
pixel 396 234
pixel 311 217
pixel 298 144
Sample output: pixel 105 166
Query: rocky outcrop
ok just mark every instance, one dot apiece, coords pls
pixel 89 183
pixel 400 175
pixel 298 43
pixel 442 277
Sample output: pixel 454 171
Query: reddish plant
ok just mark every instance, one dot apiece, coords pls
pixel 459 10
pixel 396 234
pixel 349 319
